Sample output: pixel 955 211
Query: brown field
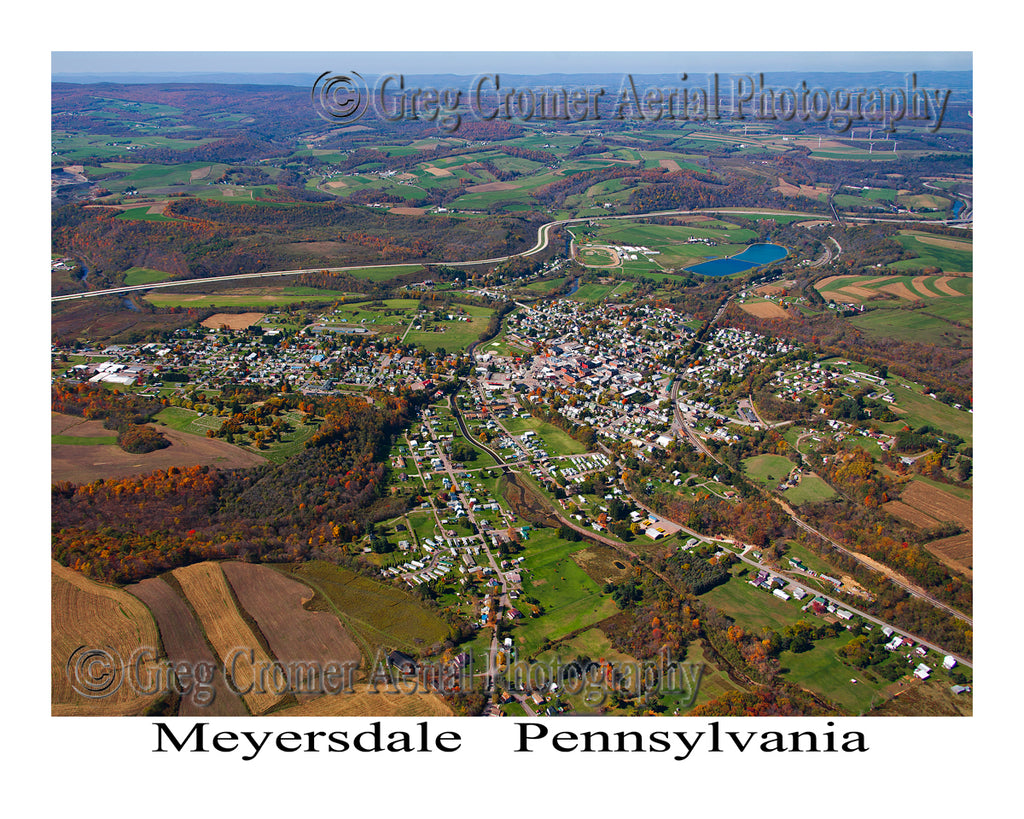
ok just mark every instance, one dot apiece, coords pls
pixel 813 223
pixel 828 280
pixel 955 244
pixel 938 504
pixel 909 514
pixel 789 189
pixel 437 171
pixel 228 191
pixel 82 464
pixel 764 309
pixel 295 635
pixel 900 290
pixel 337 183
pixel 72 425
pixel 207 590
pixel 364 703
pixel 956 552
pixel 942 285
pixel 157 208
pixel 671 164
pixel 408 211
pixel 925 698
pixel 775 289
pixel 918 284
pixel 199 173
pixel 84 613
pixel 862 293
pixel 233 321
pixel 493 186
pixel 184 642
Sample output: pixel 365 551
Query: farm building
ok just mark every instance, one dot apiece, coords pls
pixel 403 662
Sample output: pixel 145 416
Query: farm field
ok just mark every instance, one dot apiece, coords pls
pixel 957 552
pixel 925 505
pixel 276 602
pixel 895 289
pixel 377 615
pixel 81 464
pixel 183 641
pixel 210 597
pixel 363 701
pixel 89 614
pixel 949 254
pixel 919 409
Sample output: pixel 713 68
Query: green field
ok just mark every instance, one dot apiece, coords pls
pixel 924 410
pixel 556 442
pixel 947 259
pixel 186 420
pixel 145 275
pixel 452 335
pixel 571 600
pixel 768 469
pixel 810 489
pixel 77 440
pixel 821 670
pixel 381 274
pixel 143 214
pixel 266 297
pixel 752 608
pixel 930 324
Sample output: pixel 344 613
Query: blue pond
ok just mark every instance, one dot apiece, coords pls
pixel 753 256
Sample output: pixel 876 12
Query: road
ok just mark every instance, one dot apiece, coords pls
pixel 543 238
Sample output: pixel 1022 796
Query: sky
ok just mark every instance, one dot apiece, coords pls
pixel 472 62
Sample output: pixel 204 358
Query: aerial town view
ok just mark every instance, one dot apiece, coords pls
pixel 520 393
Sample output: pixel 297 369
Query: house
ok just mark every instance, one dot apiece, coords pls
pixel 780 594
pixel 922 672
pixel 949 662
pixel 403 662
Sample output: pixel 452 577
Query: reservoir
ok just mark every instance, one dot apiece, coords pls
pixel 753 256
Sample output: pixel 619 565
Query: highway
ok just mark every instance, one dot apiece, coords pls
pixel 543 238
